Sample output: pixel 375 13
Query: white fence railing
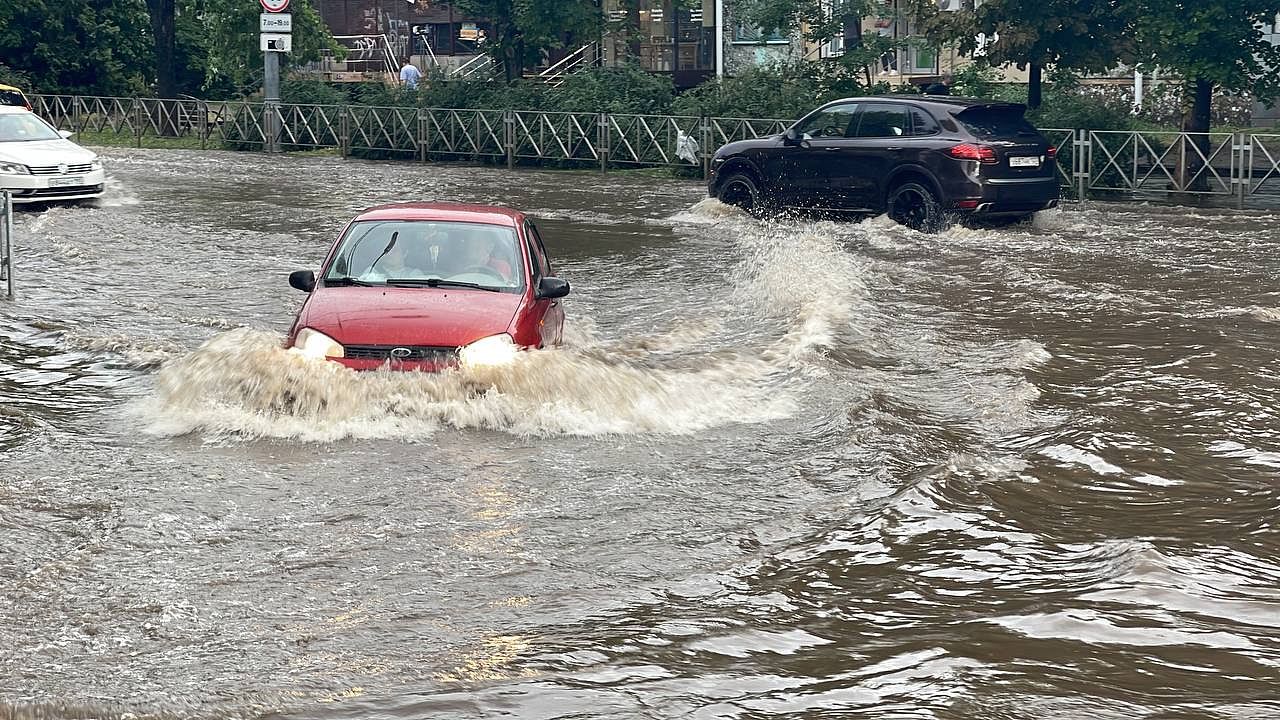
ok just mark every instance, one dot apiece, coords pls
pixel 1239 168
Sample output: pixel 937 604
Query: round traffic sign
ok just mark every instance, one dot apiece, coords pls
pixel 275 5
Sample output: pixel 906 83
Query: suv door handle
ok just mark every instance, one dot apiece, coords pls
pixel 894 147
pixel 830 148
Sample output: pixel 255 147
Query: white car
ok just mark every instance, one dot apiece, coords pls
pixel 38 163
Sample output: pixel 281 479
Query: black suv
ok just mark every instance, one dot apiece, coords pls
pixel 923 160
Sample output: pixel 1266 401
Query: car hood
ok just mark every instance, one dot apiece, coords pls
pixel 443 317
pixel 45 153
pixel 738 146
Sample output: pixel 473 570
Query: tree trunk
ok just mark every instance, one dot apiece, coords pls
pixel 162 27
pixel 1033 85
pixel 1196 119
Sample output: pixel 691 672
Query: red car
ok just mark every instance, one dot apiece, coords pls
pixel 424 286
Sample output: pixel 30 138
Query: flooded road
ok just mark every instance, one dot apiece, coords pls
pixel 786 469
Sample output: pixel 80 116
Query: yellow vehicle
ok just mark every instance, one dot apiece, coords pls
pixel 10 95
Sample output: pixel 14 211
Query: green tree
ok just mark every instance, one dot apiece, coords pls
pixel 523 30
pixel 77 46
pixel 225 38
pixel 1212 44
pixel 1086 35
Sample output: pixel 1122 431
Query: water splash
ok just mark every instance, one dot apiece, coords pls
pixel 244 383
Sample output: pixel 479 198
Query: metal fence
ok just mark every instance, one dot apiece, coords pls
pixel 1238 168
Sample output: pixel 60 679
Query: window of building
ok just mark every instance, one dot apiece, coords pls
pixel 748 33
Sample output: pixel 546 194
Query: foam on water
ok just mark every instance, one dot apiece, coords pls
pixel 115 194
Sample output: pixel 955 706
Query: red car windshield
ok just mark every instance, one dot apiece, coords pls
pixel 428 253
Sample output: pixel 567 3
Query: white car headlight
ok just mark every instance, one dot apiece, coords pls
pixel 12 168
pixel 316 345
pixel 492 351
pixel 95 164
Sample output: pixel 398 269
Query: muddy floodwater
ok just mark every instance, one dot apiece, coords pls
pixel 791 469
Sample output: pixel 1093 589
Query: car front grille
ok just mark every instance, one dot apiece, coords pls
pixel 417 353
pixel 58 191
pixel 53 169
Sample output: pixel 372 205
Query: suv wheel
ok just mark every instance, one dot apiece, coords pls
pixel 742 190
pixel 914 205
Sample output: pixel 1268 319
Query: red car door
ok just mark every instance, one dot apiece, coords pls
pixel 550 312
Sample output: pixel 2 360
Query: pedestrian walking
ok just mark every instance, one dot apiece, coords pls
pixel 410 75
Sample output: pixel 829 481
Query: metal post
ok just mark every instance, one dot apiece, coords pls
pixel 137 122
pixel 1242 169
pixel 271 96
pixel 422 135
pixel 602 140
pixel 6 240
pixel 203 125
pixel 344 130
pixel 1083 161
pixel 704 143
pixel 1182 161
pixel 509 137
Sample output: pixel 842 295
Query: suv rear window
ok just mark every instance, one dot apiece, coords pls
pixel 9 97
pixel 996 122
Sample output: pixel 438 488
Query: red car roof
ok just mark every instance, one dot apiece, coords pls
pixel 457 212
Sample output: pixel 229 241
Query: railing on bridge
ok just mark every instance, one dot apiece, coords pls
pixel 1234 167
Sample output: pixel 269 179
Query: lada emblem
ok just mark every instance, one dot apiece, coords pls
pixel 401 353
pixel 62 168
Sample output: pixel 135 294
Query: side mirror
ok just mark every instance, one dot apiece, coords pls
pixel 550 288
pixel 304 280
pixel 792 136
pixel 66 134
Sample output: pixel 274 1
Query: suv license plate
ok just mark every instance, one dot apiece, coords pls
pixel 1027 161
pixel 65 182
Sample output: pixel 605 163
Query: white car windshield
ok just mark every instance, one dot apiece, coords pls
pixel 25 127
pixel 429 253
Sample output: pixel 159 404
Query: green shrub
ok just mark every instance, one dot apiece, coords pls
pixel 16 78
pixel 775 91
pixel 975 80
pixel 1082 109
pixel 311 92
pixel 626 90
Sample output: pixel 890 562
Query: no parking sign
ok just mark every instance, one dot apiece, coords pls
pixel 274 5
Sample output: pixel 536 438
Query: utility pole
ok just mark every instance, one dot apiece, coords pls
pixel 719 38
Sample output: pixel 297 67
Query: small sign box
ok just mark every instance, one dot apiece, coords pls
pixel 274 42
pixel 275 22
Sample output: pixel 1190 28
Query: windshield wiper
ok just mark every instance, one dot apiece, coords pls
pixel 439 282
pixel 346 280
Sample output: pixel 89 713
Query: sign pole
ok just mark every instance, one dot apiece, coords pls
pixel 273 19
pixel 271 95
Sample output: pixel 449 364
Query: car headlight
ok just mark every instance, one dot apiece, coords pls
pixel 316 345
pixel 95 164
pixel 12 168
pixel 492 351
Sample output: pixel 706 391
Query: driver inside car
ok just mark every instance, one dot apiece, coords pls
pixel 475 252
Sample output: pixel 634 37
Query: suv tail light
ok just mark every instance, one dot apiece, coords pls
pixel 1052 152
pixel 965 151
